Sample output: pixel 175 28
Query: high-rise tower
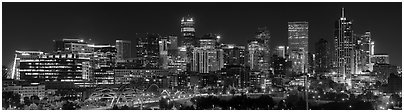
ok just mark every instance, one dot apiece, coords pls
pixel 188 31
pixel 298 45
pixel 344 59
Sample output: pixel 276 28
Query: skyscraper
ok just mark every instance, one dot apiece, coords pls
pixel 264 36
pixel 364 52
pixel 344 48
pixel 207 57
pixel 188 31
pixel 147 49
pixel 322 56
pixel 163 48
pixel 256 54
pixel 298 45
pixel 123 49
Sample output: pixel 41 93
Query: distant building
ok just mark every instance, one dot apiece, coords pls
pixel 27 90
pixel 53 68
pixel 123 49
pixel 256 54
pixel 345 43
pixel 234 55
pixel 280 51
pixel 382 71
pixel 147 49
pixel 206 60
pixel 72 45
pixel 188 31
pixel 235 76
pixel 364 52
pixel 163 48
pixel 265 37
pixel 380 59
pixel 298 45
pixel 322 57
pixel 103 61
pixel 142 78
pixel 173 45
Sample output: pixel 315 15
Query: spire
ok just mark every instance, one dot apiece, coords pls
pixel 343 12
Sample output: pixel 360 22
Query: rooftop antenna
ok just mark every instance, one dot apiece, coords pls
pixel 343 12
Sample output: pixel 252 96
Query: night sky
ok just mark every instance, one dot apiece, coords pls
pixel 33 26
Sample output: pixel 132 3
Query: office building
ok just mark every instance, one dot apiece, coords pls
pixel 123 48
pixel 256 54
pixel 27 90
pixel 322 56
pixel 298 36
pixel 206 60
pixel 233 55
pixel 344 59
pixel 280 51
pixel 72 45
pixel 380 59
pixel 59 67
pixel 188 31
pixel 147 49
pixel 103 61
pixel 163 51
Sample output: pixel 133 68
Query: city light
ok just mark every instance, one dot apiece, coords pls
pixel 189 67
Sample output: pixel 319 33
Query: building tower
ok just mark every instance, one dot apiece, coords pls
pixel 344 48
pixel 298 46
pixel 123 49
pixel 188 31
pixel 322 56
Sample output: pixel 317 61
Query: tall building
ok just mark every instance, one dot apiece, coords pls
pixel 364 52
pixel 256 54
pixel 207 57
pixel 123 49
pixel 322 56
pixel 103 63
pixel 147 49
pixel 264 36
pixel 188 31
pixel 173 45
pixel 163 48
pixel 344 61
pixel 298 45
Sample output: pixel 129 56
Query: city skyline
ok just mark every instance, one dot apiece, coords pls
pixel 201 56
pixel 103 23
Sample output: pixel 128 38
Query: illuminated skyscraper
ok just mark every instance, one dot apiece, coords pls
pixel 256 54
pixel 188 31
pixel 344 44
pixel 298 45
pixel 123 49
pixel 364 52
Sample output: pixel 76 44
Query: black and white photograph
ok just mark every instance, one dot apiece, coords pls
pixel 198 55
